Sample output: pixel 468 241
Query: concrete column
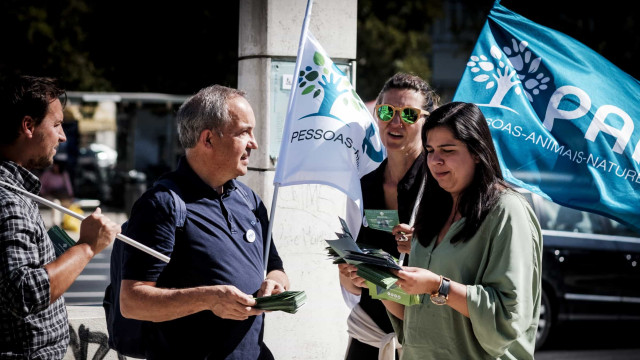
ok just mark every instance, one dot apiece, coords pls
pixel 305 215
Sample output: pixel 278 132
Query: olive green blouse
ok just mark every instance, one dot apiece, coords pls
pixel 501 266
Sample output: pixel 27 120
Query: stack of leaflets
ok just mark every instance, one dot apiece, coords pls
pixel 374 265
pixel 394 294
pixel 288 301
pixel 379 277
pixel 61 240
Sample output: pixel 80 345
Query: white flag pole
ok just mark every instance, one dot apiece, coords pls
pixel 413 214
pixel 271 217
pixel 55 206
pixel 294 87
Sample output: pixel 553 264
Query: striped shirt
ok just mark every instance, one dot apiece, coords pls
pixel 30 328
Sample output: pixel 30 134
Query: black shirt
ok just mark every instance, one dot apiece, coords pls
pixel 373 198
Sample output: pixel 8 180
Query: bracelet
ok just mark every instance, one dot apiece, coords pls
pixel 439 286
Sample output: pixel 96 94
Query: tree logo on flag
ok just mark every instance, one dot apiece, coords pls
pixel 325 78
pixel 516 68
pixel 314 82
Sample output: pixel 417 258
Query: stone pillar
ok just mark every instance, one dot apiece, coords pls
pixel 305 215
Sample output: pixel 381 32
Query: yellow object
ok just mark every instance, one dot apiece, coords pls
pixel 69 222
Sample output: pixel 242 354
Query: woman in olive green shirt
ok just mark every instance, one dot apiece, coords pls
pixel 477 254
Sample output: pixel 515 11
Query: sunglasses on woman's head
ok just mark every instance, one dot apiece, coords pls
pixel 408 114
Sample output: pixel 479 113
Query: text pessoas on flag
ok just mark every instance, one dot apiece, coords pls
pixel 329 136
pixel 565 120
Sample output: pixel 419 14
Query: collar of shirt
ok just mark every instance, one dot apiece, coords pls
pixel 194 185
pixel 16 175
pixel 414 173
pixel 408 188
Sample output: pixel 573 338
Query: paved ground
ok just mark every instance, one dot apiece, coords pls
pixel 597 340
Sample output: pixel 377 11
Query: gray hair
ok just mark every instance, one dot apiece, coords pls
pixel 206 110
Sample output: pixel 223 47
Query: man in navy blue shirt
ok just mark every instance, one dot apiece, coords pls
pixel 199 305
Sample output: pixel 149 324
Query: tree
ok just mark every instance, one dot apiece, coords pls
pixel 48 39
pixel 393 36
pixel 128 46
pixel 142 45
pixel 331 81
pixel 177 48
pixel 515 65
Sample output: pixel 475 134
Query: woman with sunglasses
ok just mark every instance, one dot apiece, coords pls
pixel 477 258
pixel 401 108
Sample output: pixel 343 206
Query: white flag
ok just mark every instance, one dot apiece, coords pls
pixel 329 137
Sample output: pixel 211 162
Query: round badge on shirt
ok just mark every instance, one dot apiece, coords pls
pixel 250 236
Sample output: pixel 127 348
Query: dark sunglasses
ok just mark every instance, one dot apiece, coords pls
pixel 408 114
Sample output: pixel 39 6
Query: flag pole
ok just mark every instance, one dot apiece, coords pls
pixel 413 214
pixel 294 87
pixel 62 209
pixel 271 217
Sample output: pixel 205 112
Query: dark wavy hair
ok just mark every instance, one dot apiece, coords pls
pixel 22 96
pixel 468 125
pixel 404 81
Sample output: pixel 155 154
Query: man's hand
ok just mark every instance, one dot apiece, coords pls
pixel 97 231
pixel 270 287
pixel 230 303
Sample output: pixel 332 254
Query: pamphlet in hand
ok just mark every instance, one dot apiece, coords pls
pixel 60 239
pixel 394 294
pixel 383 220
pixel 287 301
pixel 373 264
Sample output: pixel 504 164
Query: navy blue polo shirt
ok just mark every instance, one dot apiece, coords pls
pixel 213 248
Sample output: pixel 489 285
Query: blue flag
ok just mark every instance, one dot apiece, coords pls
pixel 565 121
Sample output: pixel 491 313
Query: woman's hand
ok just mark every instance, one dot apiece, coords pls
pixel 415 280
pixel 404 235
pixel 351 272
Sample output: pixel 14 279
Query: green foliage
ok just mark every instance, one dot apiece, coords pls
pixel 393 36
pixel 122 45
pixel 47 39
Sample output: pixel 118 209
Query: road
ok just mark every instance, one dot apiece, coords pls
pixel 88 289
pixel 593 341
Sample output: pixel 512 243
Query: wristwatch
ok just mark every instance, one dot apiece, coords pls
pixel 441 297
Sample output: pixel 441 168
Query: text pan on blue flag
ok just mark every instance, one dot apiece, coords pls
pixel 565 121
pixel 329 136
